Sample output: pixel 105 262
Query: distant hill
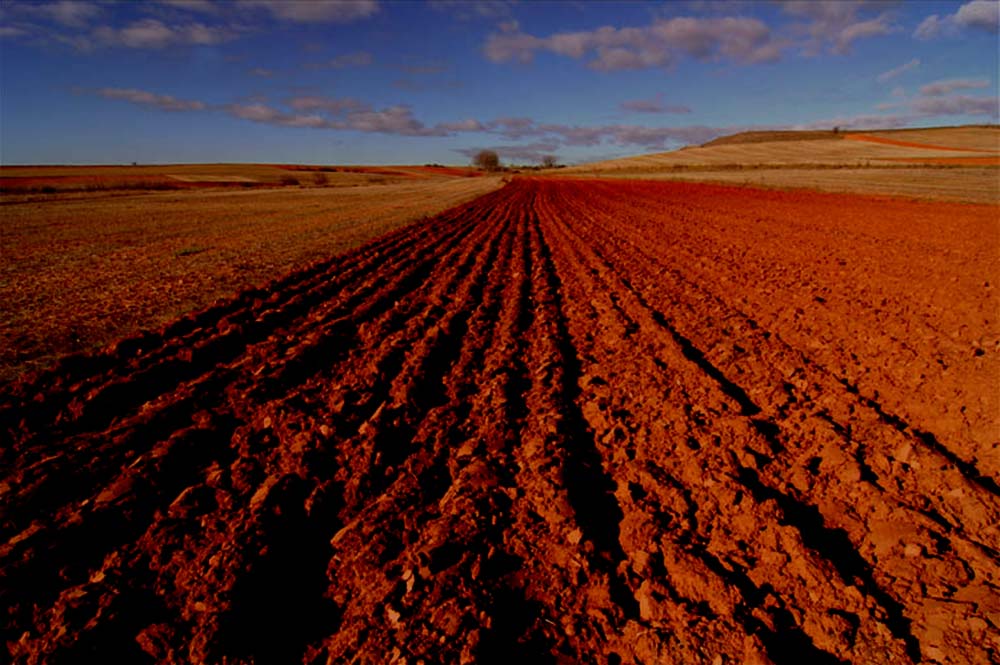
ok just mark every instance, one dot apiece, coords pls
pixel 966 144
pixel 956 163
pixel 768 137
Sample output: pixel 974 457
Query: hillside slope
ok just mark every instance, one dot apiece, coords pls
pixel 957 163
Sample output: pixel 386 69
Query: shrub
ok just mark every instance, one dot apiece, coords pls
pixel 289 180
pixel 487 160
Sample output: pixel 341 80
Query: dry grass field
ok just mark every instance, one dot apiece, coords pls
pixel 971 185
pixel 81 270
pixel 38 181
pixel 950 163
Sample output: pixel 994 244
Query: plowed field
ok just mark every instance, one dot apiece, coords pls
pixel 569 421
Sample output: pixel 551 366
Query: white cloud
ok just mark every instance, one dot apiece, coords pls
pixel 316 11
pixel 154 34
pixel 983 14
pixel 203 6
pixel 515 128
pixel 655 105
pixel 744 40
pixel 467 125
pixel 342 113
pixel 467 10
pixel 528 152
pixel 262 113
pixel 145 98
pixel 836 24
pixel 65 12
pixel 335 106
pixel 939 88
pixel 896 71
pixel 958 105
pixel 932 27
pixel 980 14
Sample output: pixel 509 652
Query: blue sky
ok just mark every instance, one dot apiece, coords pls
pixel 377 81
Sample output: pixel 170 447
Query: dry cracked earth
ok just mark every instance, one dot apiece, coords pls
pixel 566 422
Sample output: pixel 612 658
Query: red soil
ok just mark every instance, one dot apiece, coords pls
pixel 964 161
pixel 904 144
pixel 576 421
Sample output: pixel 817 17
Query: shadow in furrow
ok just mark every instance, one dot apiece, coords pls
pixel 590 490
pixel 787 643
pixel 512 637
pixel 279 606
pixel 166 367
pixel 967 469
pixel 435 356
pixel 113 638
pixel 63 484
pixel 834 545
pixel 695 355
pixel 71 551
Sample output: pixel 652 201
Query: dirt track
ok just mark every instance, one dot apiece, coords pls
pixel 601 422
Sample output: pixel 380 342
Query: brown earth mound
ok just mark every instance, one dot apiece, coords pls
pixel 568 422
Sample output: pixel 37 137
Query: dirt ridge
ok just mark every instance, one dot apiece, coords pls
pixel 584 421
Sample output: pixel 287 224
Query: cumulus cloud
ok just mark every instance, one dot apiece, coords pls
pixel 958 105
pixel 315 11
pixel 515 128
pixel 655 105
pixel 332 105
pixel 836 24
pixel 258 112
pixel 978 14
pixel 467 125
pixel 67 13
pixel 934 26
pixel 464 10
pixel 145 98
pixel 203 6
pixel 613 134
pixel 983 14
pixel 392 120
pixel 343 113
pixel 154 34
pixel 939 88
pixel 528 152
pixel 885 77
pixel 740 39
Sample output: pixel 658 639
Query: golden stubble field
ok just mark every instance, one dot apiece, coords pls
pixel 947 163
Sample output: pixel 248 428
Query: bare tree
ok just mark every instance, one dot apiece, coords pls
pixel 487 160
pixel 549 161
